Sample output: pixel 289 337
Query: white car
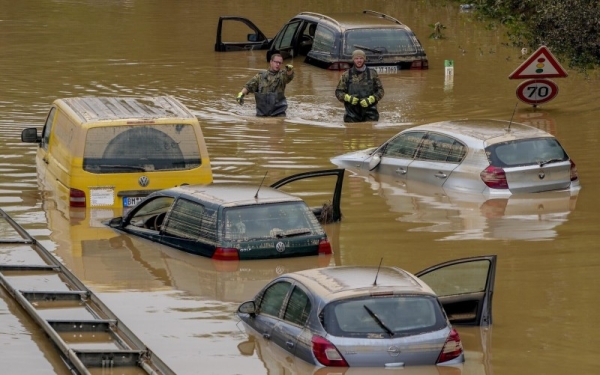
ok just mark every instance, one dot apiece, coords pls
pixel 491 157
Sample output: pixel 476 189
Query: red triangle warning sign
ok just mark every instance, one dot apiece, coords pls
pixel 541 64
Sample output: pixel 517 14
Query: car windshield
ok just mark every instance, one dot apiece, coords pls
pixel 379 41
pixel 141 148
pixel 274 220
pixel 516 153
pixel 383 316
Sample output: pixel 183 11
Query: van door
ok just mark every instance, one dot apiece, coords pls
pixel 465 288
pixel 256 40
pixel 285 41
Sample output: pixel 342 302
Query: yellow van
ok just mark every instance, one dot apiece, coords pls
pixel 111 152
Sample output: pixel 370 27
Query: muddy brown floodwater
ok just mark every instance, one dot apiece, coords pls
pixel 182 306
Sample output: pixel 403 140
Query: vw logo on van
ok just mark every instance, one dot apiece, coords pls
pixel 143 181
pixel 541 175
pixel 280 247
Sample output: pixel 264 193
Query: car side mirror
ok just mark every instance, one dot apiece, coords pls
pixel 248 307
pixel 29 135
pixel 253 37
pixel 115 222
pixel 375 160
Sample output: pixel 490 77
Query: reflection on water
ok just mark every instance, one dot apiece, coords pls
pixel 471 216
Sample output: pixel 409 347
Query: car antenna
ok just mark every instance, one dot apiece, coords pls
pixel 513 115
pixel 259 186
pixel 378 268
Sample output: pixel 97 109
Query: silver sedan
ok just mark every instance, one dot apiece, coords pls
pixel 491 157
pixel 374 316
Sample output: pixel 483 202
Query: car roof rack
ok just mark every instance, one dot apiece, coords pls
pixel 319 15
pixel 374 13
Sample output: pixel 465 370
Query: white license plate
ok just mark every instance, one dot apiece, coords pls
pixel 386 69
pixel 131 201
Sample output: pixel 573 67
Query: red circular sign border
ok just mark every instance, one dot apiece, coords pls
pixel 524 84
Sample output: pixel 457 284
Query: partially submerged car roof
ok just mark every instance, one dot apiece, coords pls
pixel 92 109
pixel 332 283
pixel 356 20
pixel 490 131
pixel 227 194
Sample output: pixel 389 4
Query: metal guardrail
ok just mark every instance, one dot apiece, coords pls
pixel 114 345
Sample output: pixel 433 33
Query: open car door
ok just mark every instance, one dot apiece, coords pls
pixel 326 213
pixel 465 288
pixel 255 39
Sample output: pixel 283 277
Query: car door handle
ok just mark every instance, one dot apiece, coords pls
pixel 440 175
pixel 266 336
pixel 289 344
pixel 401 171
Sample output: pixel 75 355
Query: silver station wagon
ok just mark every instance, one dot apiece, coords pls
pixel 492 157
pixel 352 316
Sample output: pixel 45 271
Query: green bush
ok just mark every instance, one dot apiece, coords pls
pixel 570 28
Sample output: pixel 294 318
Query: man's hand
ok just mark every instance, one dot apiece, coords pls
pixel 289 67
pixel 240 98
pixel 367 101
pixel 351 99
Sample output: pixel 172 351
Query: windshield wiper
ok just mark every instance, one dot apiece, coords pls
pixel 379 321
pixel 542 163
pixel 293 233
pixel 116 166
pixel 367 48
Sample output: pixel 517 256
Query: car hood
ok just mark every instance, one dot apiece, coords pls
pixel 354 160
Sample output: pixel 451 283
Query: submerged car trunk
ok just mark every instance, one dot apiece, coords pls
pixel 416 350
pixel 533 178
pixel 279 247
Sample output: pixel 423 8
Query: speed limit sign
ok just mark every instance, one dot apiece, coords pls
pixel 537 91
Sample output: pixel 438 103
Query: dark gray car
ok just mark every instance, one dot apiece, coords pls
pixel 374 316
pixel 328 40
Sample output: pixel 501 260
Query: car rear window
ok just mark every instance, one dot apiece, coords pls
pixel 379 41
pixel 372 316
pixel 274 220
pixel 146 148
pixel 525 152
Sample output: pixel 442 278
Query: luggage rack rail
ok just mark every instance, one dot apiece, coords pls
pixel 87 345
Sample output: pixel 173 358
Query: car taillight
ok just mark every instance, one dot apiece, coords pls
pixel 574 174
pixel 419 64
pixel 452 348
pixel 339 66
pixel 324 246
pixel 226 253
pixel 494 177
pixel 326 353
pixel 76 198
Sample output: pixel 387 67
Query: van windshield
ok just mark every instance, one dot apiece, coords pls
pixel 141 148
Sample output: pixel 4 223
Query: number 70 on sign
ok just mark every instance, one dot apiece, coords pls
pixel 537 91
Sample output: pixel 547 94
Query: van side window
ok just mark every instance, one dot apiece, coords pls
pixel 48 128
pixel 324 40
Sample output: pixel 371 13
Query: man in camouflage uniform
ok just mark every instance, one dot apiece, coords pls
pixel 269 88
pixel 360 90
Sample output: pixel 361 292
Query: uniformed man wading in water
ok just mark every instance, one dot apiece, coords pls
pixel 360 90
pixel 269 88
